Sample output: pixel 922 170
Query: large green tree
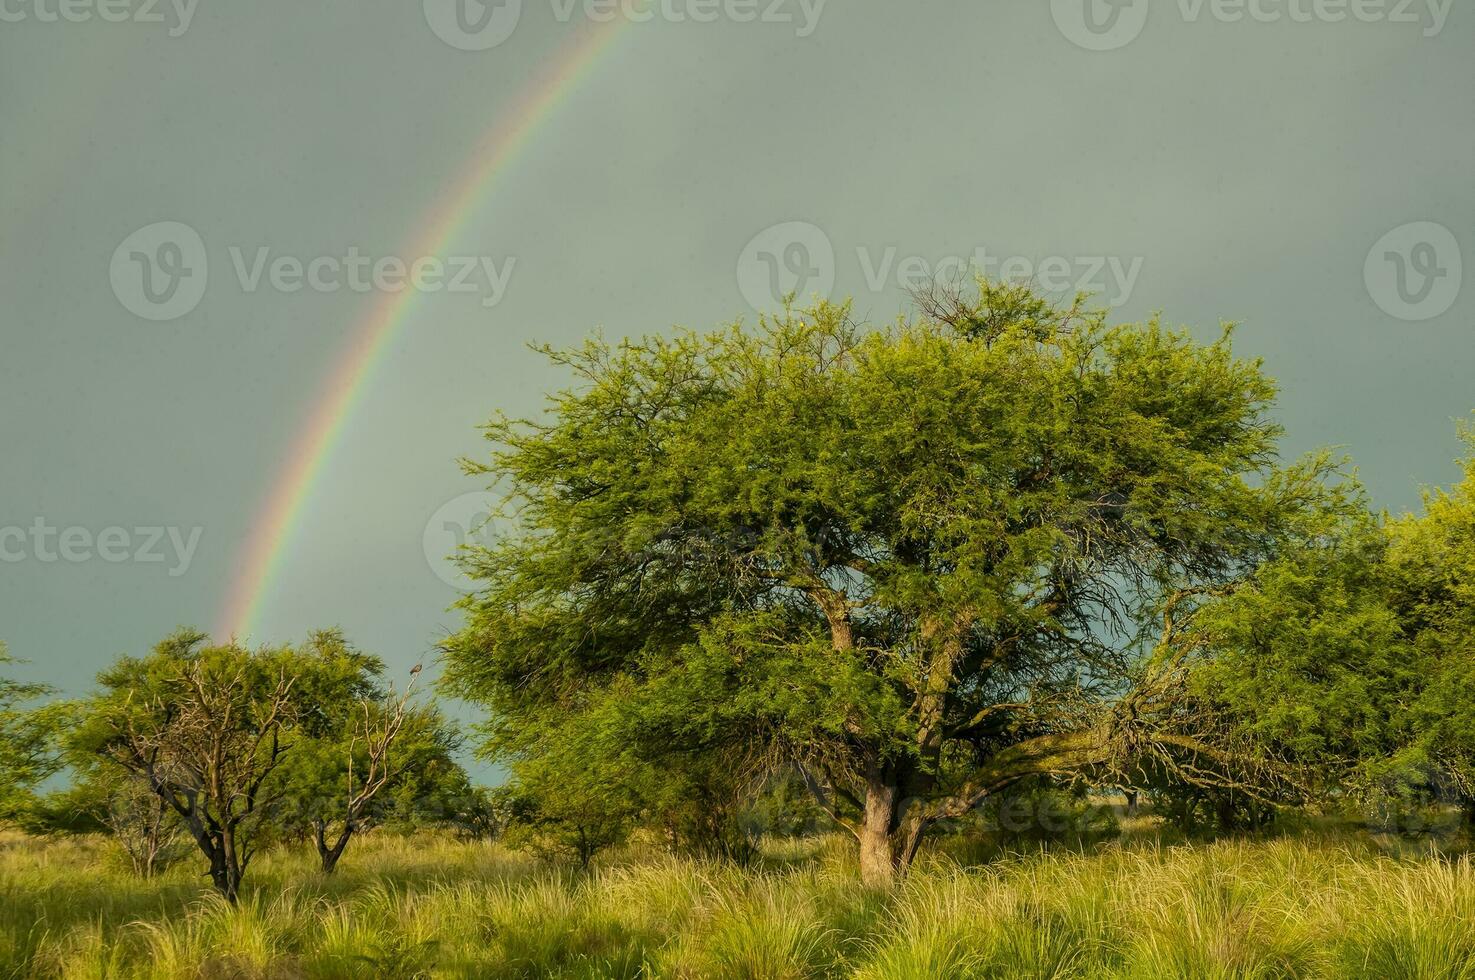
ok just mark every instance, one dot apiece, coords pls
pixel 920 562
pixel 1349 662
pixel 1307 662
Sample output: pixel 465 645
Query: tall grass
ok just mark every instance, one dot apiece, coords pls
pixel 431 907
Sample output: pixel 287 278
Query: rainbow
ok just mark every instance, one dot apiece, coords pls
pixel 273 530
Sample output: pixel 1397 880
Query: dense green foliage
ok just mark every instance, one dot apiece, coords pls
pixel 248 747
pixel 363 755
pixel 1431 571
pixel 1351 661
pixel 26 755
pixel 918 562
pixel 962 578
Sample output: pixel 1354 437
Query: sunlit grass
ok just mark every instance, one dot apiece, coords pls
pixel 1313 906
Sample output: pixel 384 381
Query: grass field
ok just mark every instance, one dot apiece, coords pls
pixel 1313 906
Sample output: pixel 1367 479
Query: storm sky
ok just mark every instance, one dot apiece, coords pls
pixel 1302 167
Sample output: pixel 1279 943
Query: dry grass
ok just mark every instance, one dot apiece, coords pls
pixel 431 907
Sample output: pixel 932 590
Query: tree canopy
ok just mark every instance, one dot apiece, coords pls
pixel 922 562
pixel 1350 658
pixel 244 745
pixel 26 738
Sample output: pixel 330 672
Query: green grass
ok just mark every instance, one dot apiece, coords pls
pixel 1312 906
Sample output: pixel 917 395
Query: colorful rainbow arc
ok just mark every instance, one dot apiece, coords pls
pixel 281 513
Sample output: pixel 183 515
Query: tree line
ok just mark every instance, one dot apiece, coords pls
pixel 225 750
pixel 813 572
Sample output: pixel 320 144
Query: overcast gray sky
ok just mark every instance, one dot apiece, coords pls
pixel 1303 167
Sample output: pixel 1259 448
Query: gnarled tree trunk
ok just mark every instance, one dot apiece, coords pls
pixel 878 866
pixel 329 854
pixel 891 826
pixel 218 846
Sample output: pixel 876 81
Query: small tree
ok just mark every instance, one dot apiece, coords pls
pixel 205 728
pixel 571 799
pixel 105 798
pixel 144 825
pixel 382 754
pixel 1431 575
pixel 476 813
pixel 561 821
pixel 27 743
pixel 246 746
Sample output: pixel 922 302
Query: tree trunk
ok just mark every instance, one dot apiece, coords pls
pixel 889 836
pixel 225 874
pixel 232 864
pixel 230 886
pixel 217 873
pixel 329 855
pixel 877 853
pixel 1227 815
pixel 584 849
pixel 218 847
